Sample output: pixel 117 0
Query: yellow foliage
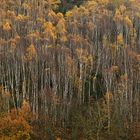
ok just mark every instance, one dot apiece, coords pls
pixel 124 77
pixel 138 14
pixel 103 1
pixel 120 39
pixel 41 20
pixel 13 44
pixel 25 106
pixel 118 16
pixel 114 68
pixel 69 14
pixel 53 4
pixel 49 30
pixel 30 52
pixel 26 6
pixel 122 8
pixel 113 46
pixel 132 0
pixel 108 96
pixel 11 13
pixel 60 15
pixel 128 21
pixel 21 18
pixel 7 26
pixel 35 35
pixel 61 26
pixel 17 37
pixel 48 25
pixel 52 16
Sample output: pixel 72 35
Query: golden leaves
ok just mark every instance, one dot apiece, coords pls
pixel 124 77
pixel 132 0
pixel 113 47
pixel 114 69
pixel 30 52
pixel 118 16
pixel 138 15
pixel 52 4
pixel 34 35
pixel 21 18
pixel 108 96
pixel 60 15
pixel 13 44
pixel 52 16
pixel 128 21
pixel 25 106
pixel 104 2
pixel 49 30
pixel 61 26
pixel 14 125
pixel 7 26
pixel 26 5
pixel 25 111
pixel 41 20
pixel 11 13
pixel 120 39
pixel 122 15
pixel 69 14
pixel 122 8
pixel 61 29
pixel 48 25
pixel 84 56
pixel 91 5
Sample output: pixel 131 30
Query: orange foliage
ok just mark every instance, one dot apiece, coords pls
pixel 15 125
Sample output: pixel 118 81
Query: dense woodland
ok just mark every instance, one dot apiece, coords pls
pixel 69 70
